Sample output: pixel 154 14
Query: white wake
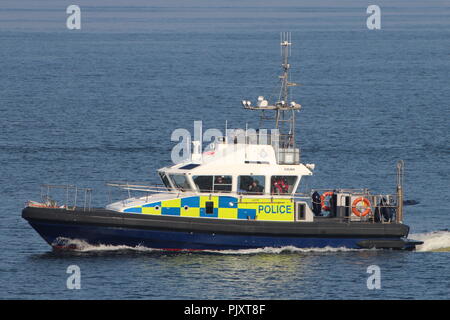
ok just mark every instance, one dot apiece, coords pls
pixel 286 249
pixel 82 246
pixel 432 241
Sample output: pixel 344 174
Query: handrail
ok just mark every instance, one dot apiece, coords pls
pixel 375 215
pixel 377 202
pixel 375 199
pixel 157 189
pixel 361 190
pixel 66 203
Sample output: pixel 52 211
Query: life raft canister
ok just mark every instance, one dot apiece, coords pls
pixel 365 202
pixel 36 204
pixel 322 200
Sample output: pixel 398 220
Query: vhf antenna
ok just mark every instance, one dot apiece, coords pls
pixel 285 47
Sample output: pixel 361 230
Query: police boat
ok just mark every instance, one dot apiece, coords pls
pixel 240 193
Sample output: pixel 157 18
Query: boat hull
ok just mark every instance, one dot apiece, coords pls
pixel 105 227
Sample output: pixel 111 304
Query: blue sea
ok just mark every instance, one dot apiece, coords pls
pixel 99 104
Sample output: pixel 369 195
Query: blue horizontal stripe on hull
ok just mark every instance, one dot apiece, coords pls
pixel 179 240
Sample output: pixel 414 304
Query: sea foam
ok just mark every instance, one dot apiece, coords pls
pixel 432 241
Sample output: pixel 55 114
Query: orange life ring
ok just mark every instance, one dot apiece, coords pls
pixel 322 200
pixel 366 204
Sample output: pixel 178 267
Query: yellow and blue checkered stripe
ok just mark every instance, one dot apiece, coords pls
pixel 224 207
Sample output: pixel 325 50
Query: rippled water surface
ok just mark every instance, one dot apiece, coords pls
pixel 99 104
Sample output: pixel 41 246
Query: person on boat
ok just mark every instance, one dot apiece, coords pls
pixel 332 203
pixel 220 184
pixel 317 204
pixel 219 180
pixel 255 187
pixel 291 141
pixel 280 186
pixel 383 211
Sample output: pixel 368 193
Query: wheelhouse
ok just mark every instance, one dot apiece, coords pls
pixel 252 179
pixel 241 184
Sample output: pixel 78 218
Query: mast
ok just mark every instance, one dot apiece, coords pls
pixel 400 173
pixel 284 111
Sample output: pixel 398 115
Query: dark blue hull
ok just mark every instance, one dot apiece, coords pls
pixel 104 227
pixel 96 235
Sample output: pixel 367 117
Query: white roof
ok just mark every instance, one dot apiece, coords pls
pixel 249 159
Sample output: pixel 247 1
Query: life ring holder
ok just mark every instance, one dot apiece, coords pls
pixel 356 211
pixel 322 200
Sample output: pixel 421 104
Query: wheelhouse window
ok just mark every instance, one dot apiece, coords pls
pixel 222 183
pixel 180 182
pixel 304 186
pixel 251 184
pixel 203 183
pixel 213 183
pixel 165 180
pixel 282 184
